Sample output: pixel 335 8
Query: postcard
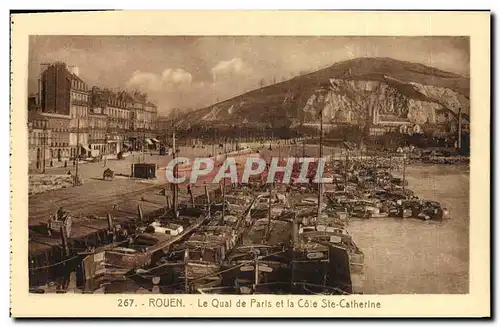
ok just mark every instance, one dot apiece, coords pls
pixel 250 164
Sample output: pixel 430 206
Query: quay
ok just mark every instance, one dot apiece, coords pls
pixel 50 257
pixel 88 205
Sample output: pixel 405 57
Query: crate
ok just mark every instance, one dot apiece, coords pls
pixel 144 170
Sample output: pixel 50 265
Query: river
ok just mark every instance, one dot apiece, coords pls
pixel 412 256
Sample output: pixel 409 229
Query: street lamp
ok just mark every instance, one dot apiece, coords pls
pixel 44 143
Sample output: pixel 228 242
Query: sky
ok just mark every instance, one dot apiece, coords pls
pixel 195 72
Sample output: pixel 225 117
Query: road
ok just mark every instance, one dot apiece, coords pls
pixel 98 197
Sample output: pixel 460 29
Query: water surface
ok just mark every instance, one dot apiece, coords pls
pixel 413 256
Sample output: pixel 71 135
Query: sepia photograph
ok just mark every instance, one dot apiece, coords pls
pixel 310 165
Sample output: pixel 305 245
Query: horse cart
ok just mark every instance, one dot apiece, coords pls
pixel 108 174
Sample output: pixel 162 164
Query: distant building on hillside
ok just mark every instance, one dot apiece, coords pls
pixel 386 123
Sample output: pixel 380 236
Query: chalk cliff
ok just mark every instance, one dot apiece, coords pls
pixel 356 91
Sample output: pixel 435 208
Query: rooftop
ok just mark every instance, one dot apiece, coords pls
pixel 392 118
pixel 76 77
pixel 34 115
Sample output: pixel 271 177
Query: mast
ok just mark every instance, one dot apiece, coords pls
pixel 173 136
pixel 208 199
pixel 459 139
pixel 404 172
pixel 390 161
pixel 174 186
pixel 166 140
pixel 44 140
pixel 269 207
pixel 213 145
pixel 320 185
pixel 143 145
pixel 345 169
pixel 256 270
pixel 224 185
pixel 77 149
pixel 295 236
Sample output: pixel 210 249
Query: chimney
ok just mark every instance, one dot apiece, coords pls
pixel 75 70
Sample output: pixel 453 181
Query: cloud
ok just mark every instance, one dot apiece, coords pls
pixel 176 88
pixel 145 81
pixel 235 66
pixel 171 88
pixel 168 80
pixel 176 77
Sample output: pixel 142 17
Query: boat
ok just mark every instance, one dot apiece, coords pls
pixel 326 256
pixel 278 202
pixel 208 247
pixel 432 210
pixel 151 242
pixel 263 255
pixel 310 202
pixel 206 250
pixel 236 202
pixel 364 209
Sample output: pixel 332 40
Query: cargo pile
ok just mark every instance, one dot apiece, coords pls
pixel 44 183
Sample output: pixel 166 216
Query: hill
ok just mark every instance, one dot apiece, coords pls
pixel 351 92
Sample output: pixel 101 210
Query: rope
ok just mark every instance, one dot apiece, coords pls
pixel 156 267
pixel 54 264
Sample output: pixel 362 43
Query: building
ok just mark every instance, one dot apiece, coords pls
pixel 59 146
pixel 382 124
pixel 64 98
pixel 90 122
pixel 377 130
pixel 163 125
pixel 39 136
pixel 98 138
pixel 327 127
pixel 151 116
pixel 144 122
pixel 33 102
pixel 414 129
pixel 118 108
pixel 79 117
pixel 139 107
pixel 55 88
pixel 118 112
